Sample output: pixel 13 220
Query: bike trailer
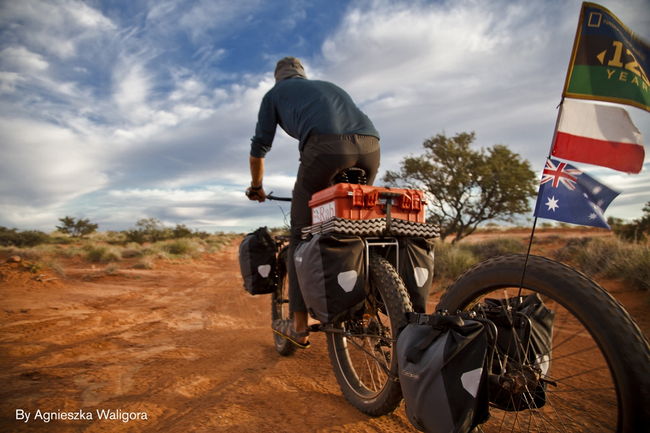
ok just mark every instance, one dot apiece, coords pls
pixel 330 272
pixel 442 373
pixel 257 262
pixel 363 202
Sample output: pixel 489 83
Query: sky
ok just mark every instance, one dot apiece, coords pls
pixel 121 110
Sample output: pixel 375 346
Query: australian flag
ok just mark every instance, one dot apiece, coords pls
pixel 566 194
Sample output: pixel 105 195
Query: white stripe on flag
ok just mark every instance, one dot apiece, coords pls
pixel 601 122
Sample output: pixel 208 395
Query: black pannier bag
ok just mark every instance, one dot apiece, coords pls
pixel 524 337
pixel 416 258
pixel 257 262
pixel 330 272
pixel 442 371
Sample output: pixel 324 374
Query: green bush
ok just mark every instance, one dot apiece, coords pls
pixel 183 247
pixel 102 254
pixel 22 239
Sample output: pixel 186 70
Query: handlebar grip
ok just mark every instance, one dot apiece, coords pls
pixel 272 197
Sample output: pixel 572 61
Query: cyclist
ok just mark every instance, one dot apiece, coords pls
pixel 333 134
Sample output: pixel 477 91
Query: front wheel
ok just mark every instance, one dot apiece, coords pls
pixel 362 350
pixel 598 374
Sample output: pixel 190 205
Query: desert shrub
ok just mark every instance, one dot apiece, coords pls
pixel 183 247
pixel 494 247
pixel 181 231
pixel 179 247
pixel 144 263
pixel 24 253
pixel 452 260
pixel 102 254
pixel 137 236
pixel 148 230
pixel 130 253
pixel 630 263
pixel 589 255
pixel 22 239
pixel 609 258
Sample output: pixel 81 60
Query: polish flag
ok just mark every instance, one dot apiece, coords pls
pixel 600 135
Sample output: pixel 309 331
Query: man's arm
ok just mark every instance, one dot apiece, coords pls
pixel 256 190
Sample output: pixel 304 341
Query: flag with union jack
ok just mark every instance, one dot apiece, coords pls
pixel 567 194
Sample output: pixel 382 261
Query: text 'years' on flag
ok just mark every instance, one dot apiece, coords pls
pixel 609 62
pixel 567 194
pixel 598 134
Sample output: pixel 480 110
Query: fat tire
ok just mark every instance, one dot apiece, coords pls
pixel 620 340
pixel 385 279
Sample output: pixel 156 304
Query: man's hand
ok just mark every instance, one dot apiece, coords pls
pixel 256 194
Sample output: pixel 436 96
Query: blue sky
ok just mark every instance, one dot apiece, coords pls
pixel 122 110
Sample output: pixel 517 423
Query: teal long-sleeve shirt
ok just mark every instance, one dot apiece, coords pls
pixel 304 107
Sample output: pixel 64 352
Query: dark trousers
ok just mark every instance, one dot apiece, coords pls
pixel 322 158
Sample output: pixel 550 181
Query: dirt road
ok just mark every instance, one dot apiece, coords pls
pixel 181 345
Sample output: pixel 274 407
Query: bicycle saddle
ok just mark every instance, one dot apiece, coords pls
pixel 351 175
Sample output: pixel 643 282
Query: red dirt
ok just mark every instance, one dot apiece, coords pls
pixel 182 343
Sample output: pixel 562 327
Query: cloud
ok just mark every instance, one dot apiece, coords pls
pixel 147 111
pixel 53 27
pixel 420 68
pixel 20 59
pixel 44 164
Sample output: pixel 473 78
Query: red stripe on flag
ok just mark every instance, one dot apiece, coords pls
pixel 626 157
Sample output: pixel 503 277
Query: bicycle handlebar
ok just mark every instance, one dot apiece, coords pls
pixel 270 196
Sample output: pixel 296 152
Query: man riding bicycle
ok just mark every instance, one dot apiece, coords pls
pixel 333 133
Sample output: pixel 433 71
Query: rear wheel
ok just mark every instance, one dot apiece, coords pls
pixel 597 374
pixel 280 305
pixel 362 350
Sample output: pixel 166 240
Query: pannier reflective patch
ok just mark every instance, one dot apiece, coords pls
pixel 543 362
pixel 264 270
pixel 347 280
pixel 471 381
pixel 421 275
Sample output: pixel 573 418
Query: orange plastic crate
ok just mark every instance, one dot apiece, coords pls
pixel 360 202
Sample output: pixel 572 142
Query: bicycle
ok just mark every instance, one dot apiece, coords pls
pixel 596 375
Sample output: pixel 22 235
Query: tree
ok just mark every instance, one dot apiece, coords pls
pixel 466 186
pixel 77 228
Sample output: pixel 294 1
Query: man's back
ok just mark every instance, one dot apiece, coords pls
pixel 304 107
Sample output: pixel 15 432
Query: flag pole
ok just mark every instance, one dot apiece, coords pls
pixel 574 50
pixel 532 232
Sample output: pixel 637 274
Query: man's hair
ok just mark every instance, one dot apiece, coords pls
pixel 289 67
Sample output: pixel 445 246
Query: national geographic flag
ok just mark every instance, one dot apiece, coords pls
pixel 609 62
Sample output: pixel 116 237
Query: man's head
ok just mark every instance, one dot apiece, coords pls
pixel 287 68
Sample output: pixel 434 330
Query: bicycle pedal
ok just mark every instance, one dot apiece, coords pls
pixel 316 327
